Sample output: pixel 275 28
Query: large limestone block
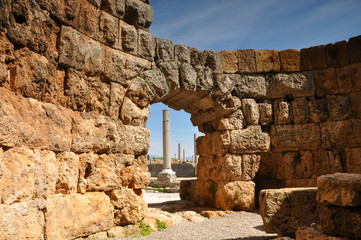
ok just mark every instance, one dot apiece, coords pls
pixel 284 210
pixel 290 84
pixel 340 221
pixel 339 107
pixel 246 61
pixel 121 67
pixel 355 49
pixel 79 51
pixel 68 172
pixel 290 60
pixel 27 122
pixel 340 189
pixel 310 233
pixel 337 134
pixel 76 215
pixel 32 27
pixel 325 81
pixel 313 58
pixel 157 83
pixel 129 207
pixel 26 174
pixel 138 13
pixel 353 160
pixel 147 45
pixel 251 111
pixel 182 53
pixel 267 60
pixel 230 61
pixel 295 137
pixel 164 50
pixel 131 114
pixel 337 54
pixel 249 140
pixel 238 195
pixel 228 168
pixel 23 220
pixel 348 78
pixel 248 86
pixel 104 134
pixel 129 38
pixel 36 76
pixel 234 121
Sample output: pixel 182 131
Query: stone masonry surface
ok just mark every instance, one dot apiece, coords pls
pixel 77 79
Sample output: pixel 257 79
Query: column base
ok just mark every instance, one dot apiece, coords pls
pixel 166 175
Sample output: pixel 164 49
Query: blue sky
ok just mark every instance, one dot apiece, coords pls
pixel 240 24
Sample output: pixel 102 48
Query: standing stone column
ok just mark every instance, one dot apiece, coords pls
pixel 166 175
pixel 179 151
pixel 184 155
pixel 195 148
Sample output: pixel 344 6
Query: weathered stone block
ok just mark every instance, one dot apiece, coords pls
pixel 164 50
pixel 246 86
pixel 249 140
pixel 282 112
pixel 213 60
pixel 340 221
pixel 121 68
pixel 138 14
pixel 228 168
pixel 300 112
pixel 251 111
pixel 230 61
pixel 198 57
pixel 353 160
pixel 188 77
pixel 36 76
pixel 327 161
pixel 182 53
pixel 285 210
pixel 68 172
pixel 99 96
pixel 238 195
pixel 157 83
pixel 129 208
pixel 27 122
pixel 139 92
pixel 339 107
pixel 340 189
pixel 267 60
pixel 23 220
pixel 337 54
pixel 76 90
pixel 292 84
pixel 27 174
pixel 265 113
pixel 295 137
pixel 114 7
pixel 313 58
pixel 129 38
pixel 220 142
pixel 76 215
pixel 25 27
pixel 310 233
pixel 336 134
pixel 205 79
pixel 290 60
pixel 325 82
pixel 131 114
pixel 87 20
pixel 79 51
pixel 147 45
pixel 349 78
pixel 354 47
pixel 356 104
pixel 318 110
pixel 246 61
pixel 235 121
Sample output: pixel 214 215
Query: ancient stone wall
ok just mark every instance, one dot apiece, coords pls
pixel 77 81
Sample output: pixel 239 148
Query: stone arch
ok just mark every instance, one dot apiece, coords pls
pixel 76 82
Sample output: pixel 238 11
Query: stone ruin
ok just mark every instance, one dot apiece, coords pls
pixel 78 78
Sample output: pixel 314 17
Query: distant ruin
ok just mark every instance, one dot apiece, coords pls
pixel 78 78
